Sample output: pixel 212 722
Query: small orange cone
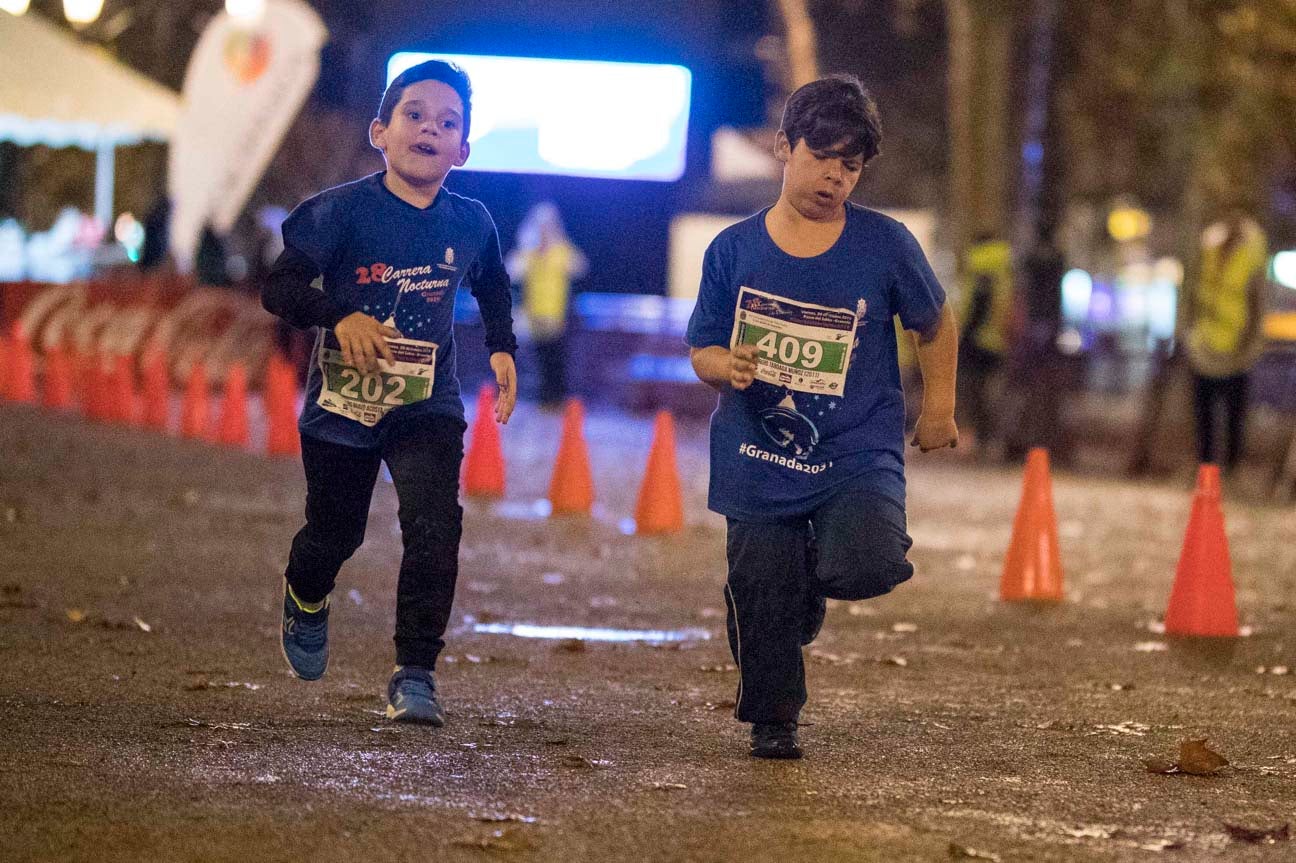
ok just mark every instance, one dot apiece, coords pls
pixel 20 385
pixel 1201 601
pixel 58 379
pixel 234 419
pixel 280 393
pixel 123 400
pixel 1033 567
pixel 571 490
pixel 660 508
pixel 484 464
pixel 157 392
pixel 194 410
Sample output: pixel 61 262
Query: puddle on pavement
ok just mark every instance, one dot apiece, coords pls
pixel 588 633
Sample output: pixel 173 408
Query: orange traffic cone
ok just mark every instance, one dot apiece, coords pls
pixel 280 392
pixel 234 418
pixel 194 410
pixel 484 464
pixel 58 379
pixel 124 402
pixel 660 508
pixel 157 392
pixel 571 490
pixel 1033 568
pixel 94 393
pixel 1201 601
pixel 20 385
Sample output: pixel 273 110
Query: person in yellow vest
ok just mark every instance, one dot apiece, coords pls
pixel 986 315
pixel 1225 337
pixel 545 261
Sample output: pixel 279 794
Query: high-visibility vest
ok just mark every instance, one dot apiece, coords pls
pixel 1222 309
pixel 992 261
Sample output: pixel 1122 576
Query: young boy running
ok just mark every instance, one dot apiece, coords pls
pixel 392 249
pixel 793 327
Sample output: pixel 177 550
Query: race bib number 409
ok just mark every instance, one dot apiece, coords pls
pixel 800 346
pixel 367 397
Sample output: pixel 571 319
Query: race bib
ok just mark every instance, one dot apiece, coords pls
pixel 367 397
pixel 800 346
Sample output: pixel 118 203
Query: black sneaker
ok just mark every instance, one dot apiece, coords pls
pixel 304 637
pixel 411 697
pixel 816 609
pixel 775 740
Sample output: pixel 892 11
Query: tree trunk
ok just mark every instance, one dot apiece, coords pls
pixel 802 43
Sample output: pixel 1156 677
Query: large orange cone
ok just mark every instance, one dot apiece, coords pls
pixel 484 464
pixel 20 383
pixel 58 379
pixel 195 412
pixel 282 437
pixel 234 419
pixel 1201 601
pixel 571 490
pixel 1033 567
pixel 157 392
pixel 123 400
pixel 660 508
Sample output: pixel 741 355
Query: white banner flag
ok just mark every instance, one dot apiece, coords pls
pixel 245 83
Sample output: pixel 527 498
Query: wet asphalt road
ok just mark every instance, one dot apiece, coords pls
pixel 147 714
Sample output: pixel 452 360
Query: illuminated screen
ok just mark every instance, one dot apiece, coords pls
pixel 579 118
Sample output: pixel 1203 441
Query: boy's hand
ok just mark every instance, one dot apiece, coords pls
pixel 742 366
pixel 935 431
pixel 363 340
pixel 506 379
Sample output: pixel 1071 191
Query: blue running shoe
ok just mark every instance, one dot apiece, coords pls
pixel 411 697
pixel 305 637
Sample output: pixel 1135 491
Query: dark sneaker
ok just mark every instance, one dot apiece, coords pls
pixel 305 638
pixel 816 609
pixel 775 740
pixel 411 697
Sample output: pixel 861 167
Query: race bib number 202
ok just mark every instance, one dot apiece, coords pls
pixel 367 397
pixel 801 346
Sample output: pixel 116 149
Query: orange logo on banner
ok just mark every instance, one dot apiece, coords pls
pixel 247 55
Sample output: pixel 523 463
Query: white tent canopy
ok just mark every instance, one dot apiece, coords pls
pixel 60 93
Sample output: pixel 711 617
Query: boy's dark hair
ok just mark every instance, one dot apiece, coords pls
pixel 431 70
pixel 823 113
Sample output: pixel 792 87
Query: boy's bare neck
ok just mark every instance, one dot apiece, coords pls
pixel 420 195
pixel 801 236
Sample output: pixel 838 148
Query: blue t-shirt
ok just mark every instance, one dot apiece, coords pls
pixel 382 256
pixel 777 453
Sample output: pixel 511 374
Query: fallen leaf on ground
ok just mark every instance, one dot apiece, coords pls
pixel 1161 845
pixel 571 645
pixel 580 762
pixel 1197 759
pixel 962 852
pixel 141 624
pixel 1258 835
pixel 501 817
pixel 896 660
pixel 1160 765
pixel 76 615
pixel 904 627
pixel 668 786
pixel 498 840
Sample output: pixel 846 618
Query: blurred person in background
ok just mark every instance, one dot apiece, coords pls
pixel 545 262
pixel 986 315
pixel 1225 338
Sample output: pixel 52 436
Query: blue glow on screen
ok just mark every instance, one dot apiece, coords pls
pixel 578 118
